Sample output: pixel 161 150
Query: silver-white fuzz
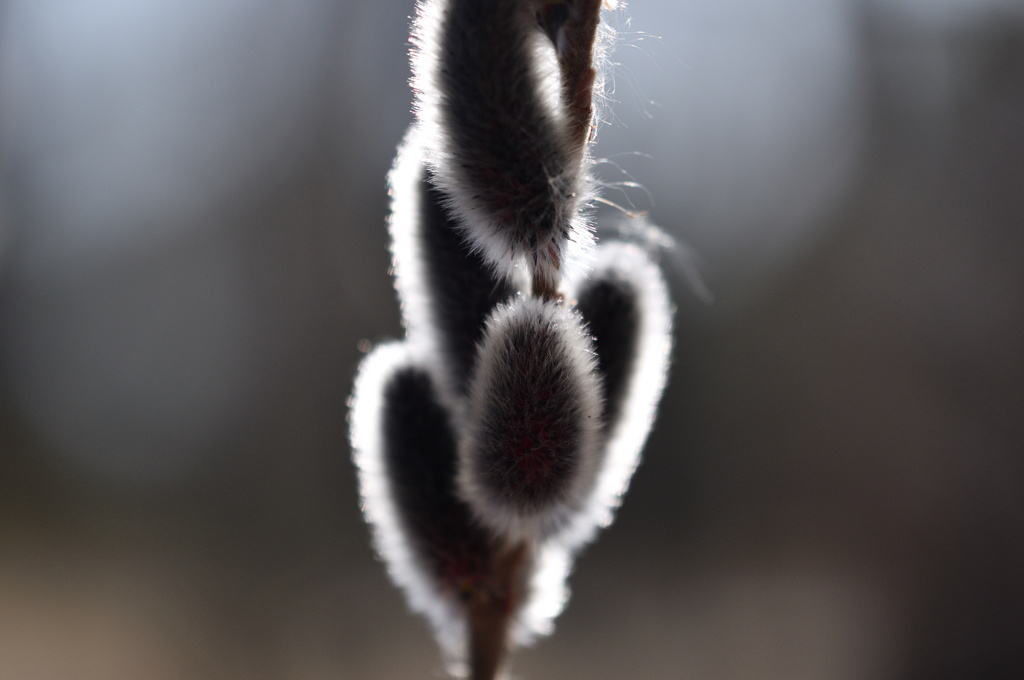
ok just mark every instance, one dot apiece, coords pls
pixel 531 449
pixel 407 261
pixel 590 502
pixel 379 498
pixel 499 437
pixel 420 308
pixel 628 432
pixel 496 135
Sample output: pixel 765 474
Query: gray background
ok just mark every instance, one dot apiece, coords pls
pixel 192 252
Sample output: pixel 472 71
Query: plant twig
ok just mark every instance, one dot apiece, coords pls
pixel 491 611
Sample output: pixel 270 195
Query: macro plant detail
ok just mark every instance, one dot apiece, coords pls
pixel 497 438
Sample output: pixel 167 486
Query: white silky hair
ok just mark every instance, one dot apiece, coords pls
pixel 628 433
pixel 546 593
pixel 605 454
pixel 570 362
pixel 408 263
pixel 406 250
pixel 623 442
pixel 588 505
pixel 561 173
pixel 378 499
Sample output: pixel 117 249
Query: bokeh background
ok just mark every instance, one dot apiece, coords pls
pixel 192 254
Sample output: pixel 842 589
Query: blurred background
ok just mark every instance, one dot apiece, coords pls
pixel 193 251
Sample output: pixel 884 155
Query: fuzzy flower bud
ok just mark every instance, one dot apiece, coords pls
pixel 503 93
pixel 531 446
pixel 405 452
pixel 626 306
pixel 445 288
